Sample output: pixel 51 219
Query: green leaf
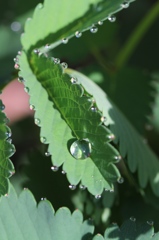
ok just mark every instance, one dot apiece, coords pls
pixel 21 218
pixel 6 151
pixel 62 19
pixel 55 131
pixel 139 156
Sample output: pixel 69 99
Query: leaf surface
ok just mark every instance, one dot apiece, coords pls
pixel 68 100
pixel 6 151
pixel 56 20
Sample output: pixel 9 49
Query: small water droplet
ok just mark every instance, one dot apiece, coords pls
pixel 56 60
pixel 98 196
pixel 63 172
pixel 103 119
pixel 93 29
pixel 100 23
pixel 106 190
pixel 64 65
pixel 54 168
pixel 19 53
pixel 82 187
pixel 47 45
pixel 47 154
pixel 43 139
pixel 21 79
pixel 25 188
pixel 133 219
pixel 112 18
pixel 111 137
pixel 118 158
pixel 37 121
pixel 8 134
pixel 26 89
pixel 43 199
pixel 32 107
pixel 150 222
pixel 72 187
pixel 36 51
pixel 78 34
pixel 2 107
pixel 40 5
pixel 125 4
pixel 93 109
pixel 9 140
pixel 80 149
pixel 74 80
pixel 6 195
pixel 120 180
pixel 16 66
pixel 111 190
pixel 65 40
pixel 16 60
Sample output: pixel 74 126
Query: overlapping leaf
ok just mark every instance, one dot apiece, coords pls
pixel 6 151
pixel 21 218
pixel 62 19
pixel 83 122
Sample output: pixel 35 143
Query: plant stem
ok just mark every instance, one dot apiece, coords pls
pixel 137 35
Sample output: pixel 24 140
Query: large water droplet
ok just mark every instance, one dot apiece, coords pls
pixel 64 65
pixel 26 89
pixel 74 80
pixel 93 29
pixel 112 18
pixel 78 34
pixel 120 180
pixel 98 196
pixel 65 40
pixel 72 187
pixel 125 4
pixel 37 121
pixel 54 168
pixel 81 149
pixel 43 139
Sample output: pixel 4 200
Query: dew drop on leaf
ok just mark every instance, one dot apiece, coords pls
pixel 100 23
pixel 64 65
pixel 2 107
pixel 120 180
pixel 56 60
pixel 8 134
pixel 78 34
pixel 54 168
pixel 112 18
pixel 21 79
pixel 47 154
pixel 80 149
pixel 111 137
pixel 36 51
pixel 103 119
pixel 65 40
pixel 16 66
pixel 9 140
pixel 73 80
pixel 72 187
pixel 82 187
pixel 32 107
pixel 43 199
pixel 63 172
pixel 133 219
pixel 125 4
pixel 98 196
pixel 37 121
pixel 150 222
pixel 111 190
pixel 47 45
pixel 43 139
pixel 93 29
pixel 26 89
pixel 93 109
